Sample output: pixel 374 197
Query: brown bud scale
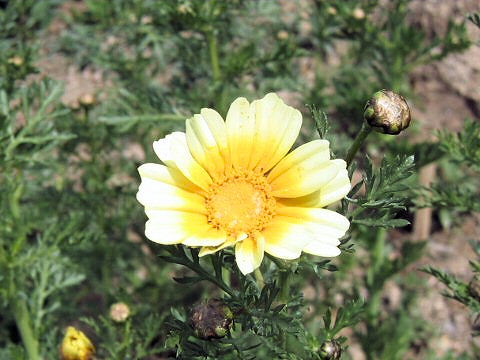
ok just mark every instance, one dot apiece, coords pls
pixel 212 319
pixel 387 112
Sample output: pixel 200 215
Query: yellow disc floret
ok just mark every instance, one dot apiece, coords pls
pixel 240 203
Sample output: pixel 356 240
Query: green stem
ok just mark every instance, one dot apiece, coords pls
pixel 284 284
pixel 379 250
pixel 259 278
pixel 359 139
pixel 199 270
pixel 22 319
pixel 212 44
pixel 375 289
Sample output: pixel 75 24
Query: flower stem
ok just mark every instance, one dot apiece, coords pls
pixel 375 289
pixel 22 319
pixel 259 278
pixel 212 44
pixel 284 284
pixel 359 139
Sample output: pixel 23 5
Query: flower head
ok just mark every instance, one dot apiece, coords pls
pixel 76 345
pixel 387 112
pixel 233 183
pixel 211 319
pixel 331 350
pixel 119 312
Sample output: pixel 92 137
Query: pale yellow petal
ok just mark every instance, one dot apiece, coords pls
pixel 240 131
pixel 207 140
pixel 320 221
pixel 324 226
pixel 173 227
pixel 304 178
pixel 249 254
pixel 207 250
pixel 174 152
pixel 277 126
pixel 261 133
pixel 337 188
pixel 313 153
pixel 320 248
pixel 212 237
pixel 285 237
pixel 160 189
pixel 154 194
pixel 310 200
pixel 167 175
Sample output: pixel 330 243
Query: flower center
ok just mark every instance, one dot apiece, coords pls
pixel 240 203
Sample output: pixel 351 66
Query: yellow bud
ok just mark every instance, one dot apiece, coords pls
pixel 282 35
pixel 145 20
pixel 16 60
pixel 87 100
pixel 331 10
pixel 76 345
pixel 183 9
pixel 359 14
pixel 119 312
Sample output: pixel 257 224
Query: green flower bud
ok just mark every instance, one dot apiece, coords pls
pixel 331 350
pixel 474 287
pixel 212 319
pixel 387 112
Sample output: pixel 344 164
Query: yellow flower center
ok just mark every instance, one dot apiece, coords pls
pixel 240 203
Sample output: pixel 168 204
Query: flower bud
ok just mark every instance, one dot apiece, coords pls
pixel 332 11
pixel 282 35
pixel 76 345
pixel 16 60
pixel 212 319
pixel 119 312
pixel 331 350
pixel 87 100
pixel 474 287
pixel 183 9
pixel 147 19
pixel 387 112
pixel 359 14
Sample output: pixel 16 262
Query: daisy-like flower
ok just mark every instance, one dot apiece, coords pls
pixel 233 183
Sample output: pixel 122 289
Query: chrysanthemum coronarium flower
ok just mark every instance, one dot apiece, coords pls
pixel 233 183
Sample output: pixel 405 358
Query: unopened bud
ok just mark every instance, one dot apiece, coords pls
pixel 16 60
pixel 331 10
pixel 282 35
pixel 358 14
pixel 145 20
pixel 212 319
pixel 76 345
pixel 474 287
pixel 183 9
pixel 87 100
pixel 119 312
pixel 387 112
pixel 331 350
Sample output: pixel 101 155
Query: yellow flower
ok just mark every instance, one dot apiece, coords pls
pixel 232 183
pixel 76 345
